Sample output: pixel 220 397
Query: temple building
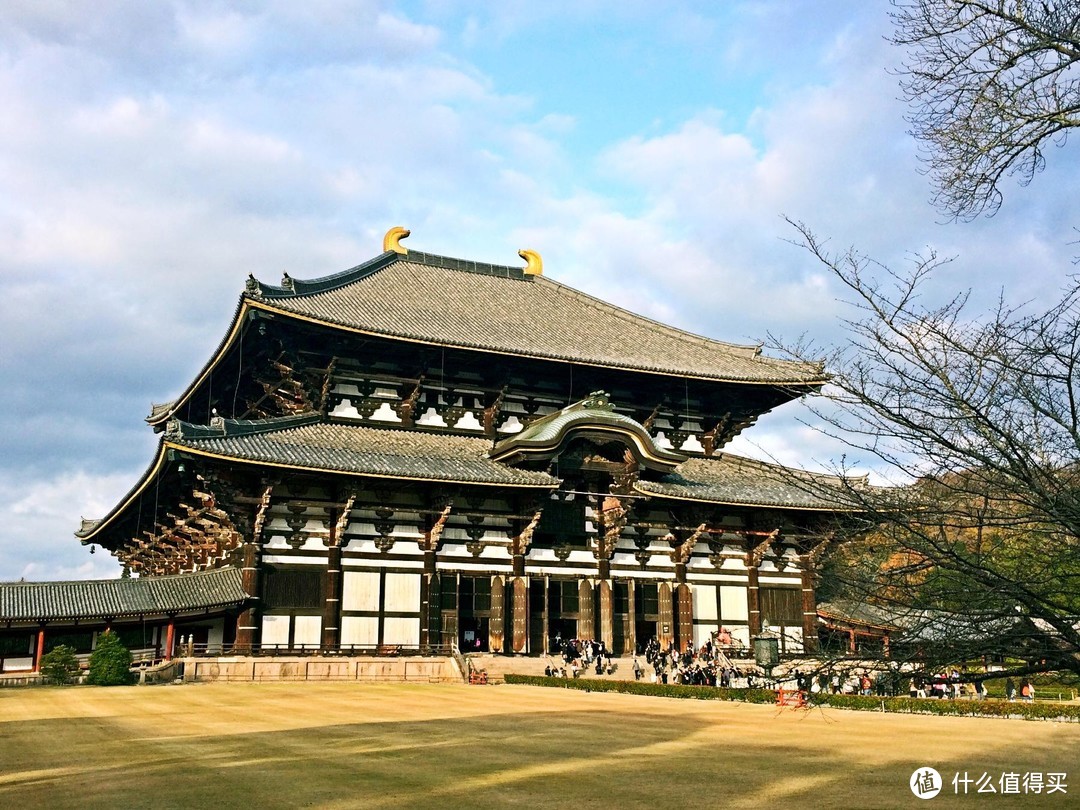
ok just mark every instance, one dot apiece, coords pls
pixel 424 450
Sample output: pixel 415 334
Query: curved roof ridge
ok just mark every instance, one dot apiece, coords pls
pixel 220 426
pixel 295 287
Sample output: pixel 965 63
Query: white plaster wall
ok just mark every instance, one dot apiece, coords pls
pixel 704 602
pixel 402 593
pixel 702 633
pixel 308 631
pixel 401 631
pixel 733 605
pixel 360 591
pixel 359 630
pixel 275 630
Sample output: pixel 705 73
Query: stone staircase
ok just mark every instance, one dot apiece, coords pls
pixel 498 667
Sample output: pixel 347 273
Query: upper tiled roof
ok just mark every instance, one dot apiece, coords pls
pixel 451 302
pixel 114 598
pixel 306 442
pixel 742 481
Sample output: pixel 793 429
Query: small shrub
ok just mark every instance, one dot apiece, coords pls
pixel 110 662
pixel 59 666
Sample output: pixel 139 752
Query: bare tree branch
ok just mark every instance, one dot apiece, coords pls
pixel 992 83
pixel 976 416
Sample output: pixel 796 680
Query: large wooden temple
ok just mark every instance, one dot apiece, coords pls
pixel 423 450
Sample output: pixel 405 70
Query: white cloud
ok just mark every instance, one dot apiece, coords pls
pixel 41 517
pixel 152 155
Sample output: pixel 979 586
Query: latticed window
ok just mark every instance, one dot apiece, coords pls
pixel 475 594
pixel 20 644
pixel 80 642
pixel 292 588
pixel 620 597
pixel 781 606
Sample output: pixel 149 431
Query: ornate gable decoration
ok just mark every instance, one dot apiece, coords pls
pixel 594 418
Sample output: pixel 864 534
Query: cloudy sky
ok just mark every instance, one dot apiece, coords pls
pixel 154 154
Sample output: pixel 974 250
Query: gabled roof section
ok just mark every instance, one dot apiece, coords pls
pixel 443 301
pixel 115 598
pixel 742 481
pixel 594 417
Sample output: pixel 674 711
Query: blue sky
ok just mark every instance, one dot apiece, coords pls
pixel 153 154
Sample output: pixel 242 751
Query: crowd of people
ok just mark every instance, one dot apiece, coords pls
pixel 709 665
pixel 704 666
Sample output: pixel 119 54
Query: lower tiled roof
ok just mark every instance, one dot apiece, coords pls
pixel 114 598
pixel 736 480
pixel 303 443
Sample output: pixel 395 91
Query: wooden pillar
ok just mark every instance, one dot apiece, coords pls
pixel 586 624
pixel 430 607
pixel 519 612
pixel 497 618
pixel 547 618
pixel 667 620
pixel 603 568
pixel 170 638
pixel 631 635
pixel 607 615
pixel 331 618
pixel 247 629
pixel 449 621
pixel 684 615
pixel 851 641
pixel 753 603
pixel 39 649
pixel 809 606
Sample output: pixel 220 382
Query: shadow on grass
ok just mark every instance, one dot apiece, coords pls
pixel 559 759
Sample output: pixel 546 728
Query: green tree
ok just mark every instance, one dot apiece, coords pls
pixel 59 665
pixel 110 663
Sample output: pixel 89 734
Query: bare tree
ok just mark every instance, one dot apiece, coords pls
pixel 992 84
pixel 976 419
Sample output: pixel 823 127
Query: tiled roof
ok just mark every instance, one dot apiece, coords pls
pixel 923 625
pixel 736 480
pixel 113 598
pixel 450 302
pixel 857 612
pixel 308 443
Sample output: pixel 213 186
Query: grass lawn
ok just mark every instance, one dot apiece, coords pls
pixel 406 746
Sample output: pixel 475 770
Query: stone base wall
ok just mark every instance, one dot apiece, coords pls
pixel 236 668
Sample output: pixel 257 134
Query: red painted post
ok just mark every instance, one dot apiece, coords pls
pixel 170 639
pixel 40 649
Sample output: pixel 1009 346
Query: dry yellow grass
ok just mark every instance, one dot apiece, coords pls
pixel 405 746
